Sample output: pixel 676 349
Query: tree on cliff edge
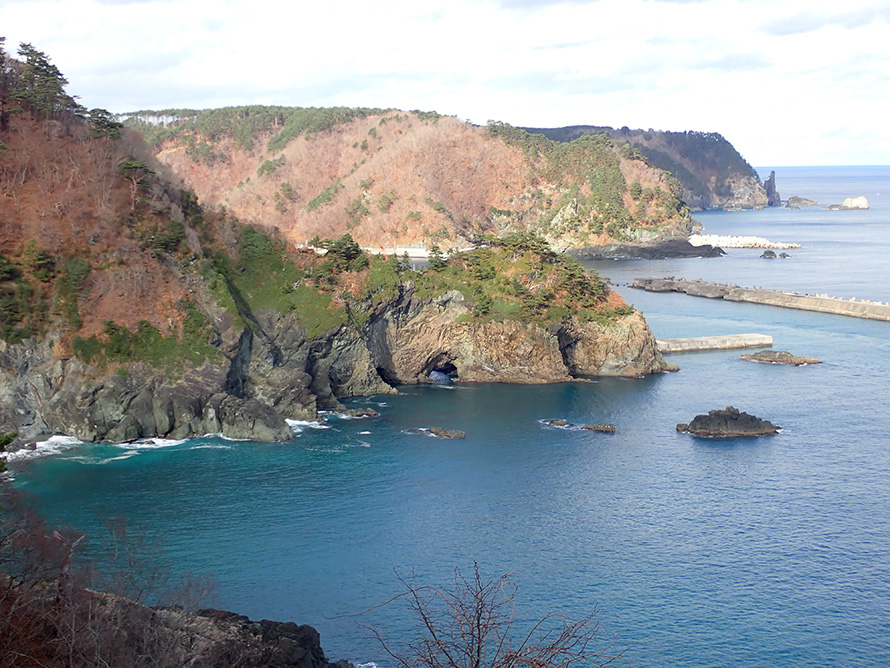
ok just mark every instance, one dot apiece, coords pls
pixel 472 625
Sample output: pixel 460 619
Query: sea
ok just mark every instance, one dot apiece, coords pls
pixel 771 551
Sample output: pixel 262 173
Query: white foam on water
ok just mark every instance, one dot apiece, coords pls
pixel 229 438
pixel 151 443
pixel 364 433
pixel 360 444
pixel 126 455
pixel 546 422
pixel 52 446
pixel 211 446
pixel 298 426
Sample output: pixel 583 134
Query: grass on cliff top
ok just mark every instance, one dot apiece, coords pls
pixel 515 278
pixel 267 277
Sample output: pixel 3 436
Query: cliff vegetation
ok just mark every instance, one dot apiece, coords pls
pixel 392 178
pixel 710 171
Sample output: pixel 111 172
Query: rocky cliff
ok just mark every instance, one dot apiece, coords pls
pixel 129 310
pixel 181 321
pixel 262 381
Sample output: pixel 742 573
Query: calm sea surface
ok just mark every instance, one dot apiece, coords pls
pixel 766 552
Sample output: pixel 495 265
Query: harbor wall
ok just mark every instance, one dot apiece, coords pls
pixel 820 303
pixel 724 342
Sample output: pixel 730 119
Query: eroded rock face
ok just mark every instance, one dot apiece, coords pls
pixel 134 634
pixel 728 422
pixel 747 193
pixel 623 347
pixel 271 371
pixel 417 337
pixel 409 342
pixel 772 195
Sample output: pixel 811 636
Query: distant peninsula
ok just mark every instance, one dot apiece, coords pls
pixel 711 172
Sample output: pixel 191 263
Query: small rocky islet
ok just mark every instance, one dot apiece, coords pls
pixel 779 357
pixel 728 422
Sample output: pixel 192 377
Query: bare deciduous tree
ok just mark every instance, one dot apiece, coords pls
pixel 473 625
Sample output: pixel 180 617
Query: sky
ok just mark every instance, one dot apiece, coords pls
pixel 787 82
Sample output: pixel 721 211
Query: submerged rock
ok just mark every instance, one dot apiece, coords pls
pixel 602 427
pixel 727 422
pixel 779 357
pixel 360 412
pixel 441 432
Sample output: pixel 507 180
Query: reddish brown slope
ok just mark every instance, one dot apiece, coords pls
pixel 396 179
pixel 61 192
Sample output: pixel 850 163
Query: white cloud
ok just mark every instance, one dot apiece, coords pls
pixel 803 81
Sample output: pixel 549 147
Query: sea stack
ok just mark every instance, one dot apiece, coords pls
pixel 772 196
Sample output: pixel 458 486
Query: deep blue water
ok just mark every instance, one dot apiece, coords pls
pixel 772 551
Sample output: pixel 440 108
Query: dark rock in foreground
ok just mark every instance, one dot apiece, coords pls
pixel 769 255
pixel 654 251
pixel 727 422
pixel 779 357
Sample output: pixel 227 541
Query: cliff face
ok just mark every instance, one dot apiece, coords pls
pixel 712 173
pixel 288 375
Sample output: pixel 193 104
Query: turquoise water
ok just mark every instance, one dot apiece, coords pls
pixel 772 551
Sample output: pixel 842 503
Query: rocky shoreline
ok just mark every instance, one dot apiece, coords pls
pixel 274 372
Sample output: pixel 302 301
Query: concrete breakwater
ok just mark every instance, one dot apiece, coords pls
pixel 725 342
pixel 738 242
pixel 820 303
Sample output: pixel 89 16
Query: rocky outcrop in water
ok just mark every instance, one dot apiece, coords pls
pixel 779 357
pixel 795 202
pixel 772 195
pixel 850 204
pixel 442 432
pixel 727 422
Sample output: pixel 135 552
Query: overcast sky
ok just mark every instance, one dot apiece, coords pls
pixel 788 82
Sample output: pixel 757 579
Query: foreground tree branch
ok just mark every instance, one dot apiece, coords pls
pixel 472 625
